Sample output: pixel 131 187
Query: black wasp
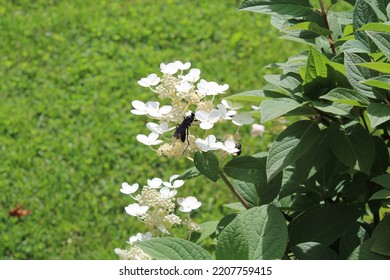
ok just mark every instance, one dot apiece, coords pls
pixel 182 129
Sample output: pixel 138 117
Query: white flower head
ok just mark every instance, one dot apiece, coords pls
pixel 149 140
pixel 188 204
pixel 136 210
pixel 169 69
pixel 211 88
pixel 242 119
pixel 192 76
pixel 129 189
pixel 151 80
pixel 166 192
pixel 230 147
pixel 208 144
pixel 257 130
pixel 155 183
pixel 140 237
pixel 176 183
pixel 207 119
pixel 182 66
pixel 159 128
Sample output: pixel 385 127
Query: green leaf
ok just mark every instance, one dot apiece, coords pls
pixel 255 95
pixel 363 14
pixel 355 46
pixel 311 26
pixel 286 83
pixel 273 108
pixel 377 66
pixel 169 248
pixel 382 180
pixel 322 223
pixel 380 237
pixel 235 206
pixel 290 145
pixel 206 229
pixel 378 113
pixel 340 145
pixel 382 40
pixel 354 148
pixel 294 8
pixel 356 73
pixel 251 180
pixel 346 96
pixel 207 164
pixel 334 108
pixel 259 233
pixel 314 251
pixel 379 82
pixel 363 252
pixel 376 26
pixel 190 173
pixel 244 168
pixel 382 194
pixel 316 66
pixel 352 238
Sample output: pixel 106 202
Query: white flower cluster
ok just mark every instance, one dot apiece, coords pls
pixel 155 207
pixel 187 95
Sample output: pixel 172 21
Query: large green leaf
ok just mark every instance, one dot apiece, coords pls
pixel 341 145
pixel 355 46
pixel 363 252
pixel 283 7
pixel 382 40
pixel 273 108
pixel 314 251
pixel 316 66
pixel 378 113
pixel 363 14
pixel 251 180
pixel 290 145
pixel 286 83
pixel 259 233
pixel 376 26
pixel 255 95
pixel 377 66
pixel 352 238
pixel 381 238
pixel 382 180
pixel 353 147
pixel 382 194
pixel 169 248
pixel 356 74
pixel 379 82
pixel 322 223
pixel 207 164
pixel 346 96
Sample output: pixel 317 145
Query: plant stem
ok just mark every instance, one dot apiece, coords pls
pixel 233 190
pixel 324 14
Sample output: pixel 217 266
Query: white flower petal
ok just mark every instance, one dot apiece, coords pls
pixel 129 189
pixel 154 183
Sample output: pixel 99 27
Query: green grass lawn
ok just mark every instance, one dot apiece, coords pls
pixel 68 72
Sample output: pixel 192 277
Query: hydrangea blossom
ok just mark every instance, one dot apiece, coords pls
pixel 149 81
pixel 129 189
pixel 188 204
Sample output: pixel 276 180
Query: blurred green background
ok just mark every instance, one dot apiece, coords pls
pixel 68 73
